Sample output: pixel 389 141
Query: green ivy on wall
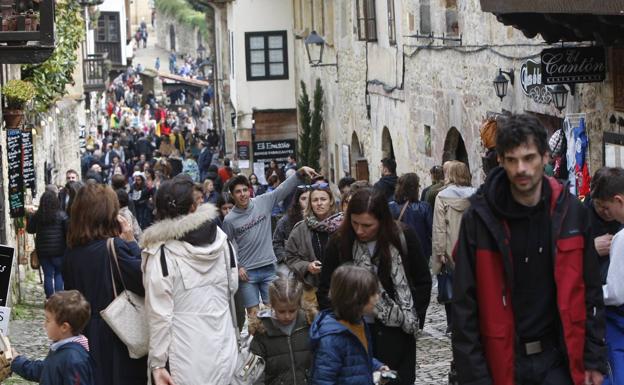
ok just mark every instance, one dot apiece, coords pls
pixel 52 76
pixel 184 13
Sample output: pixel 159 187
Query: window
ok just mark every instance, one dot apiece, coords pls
pixel 427 140
pixel 391 24
pixel 367 27
pixel 425 17
pixel 108 28
pixel 267 55
pixel 452 24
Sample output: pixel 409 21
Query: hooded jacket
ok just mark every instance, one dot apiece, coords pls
pixel 288 357
pixel 187 298
pixel 449 206
pixel 339 356
pixel 386 184
pixel 483 316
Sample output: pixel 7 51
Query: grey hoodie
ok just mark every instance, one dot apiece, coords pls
pixel 250 228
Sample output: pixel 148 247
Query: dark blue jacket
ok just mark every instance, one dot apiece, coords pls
pixel 418 216
pixel 339 356
pixel 87 269
pixel 70 364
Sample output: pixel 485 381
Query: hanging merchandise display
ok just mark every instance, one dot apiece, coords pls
pixel 576 154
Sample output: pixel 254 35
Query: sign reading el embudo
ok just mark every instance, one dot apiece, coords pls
pixel 573 65
pixel 531 82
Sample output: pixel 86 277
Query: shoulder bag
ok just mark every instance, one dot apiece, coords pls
pixel 249 367
pixel 403 211
pixel 126 314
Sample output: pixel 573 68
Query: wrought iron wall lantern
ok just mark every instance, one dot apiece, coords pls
pixel 315 45
pixel 501 83
pixel 560 96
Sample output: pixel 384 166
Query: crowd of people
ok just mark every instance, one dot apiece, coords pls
pixel 332 283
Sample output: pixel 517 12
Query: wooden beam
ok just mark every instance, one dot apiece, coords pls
pixel 593 7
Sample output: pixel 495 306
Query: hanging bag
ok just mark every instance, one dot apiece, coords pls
pixel 445 285
pixel 126 313
pixel 249 367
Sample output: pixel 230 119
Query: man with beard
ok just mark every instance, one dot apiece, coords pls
pixel 528 305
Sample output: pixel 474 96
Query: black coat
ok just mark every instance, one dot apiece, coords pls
pixel 386 184
pixel 416 269
pixel 288 358
pixel 87 270
pixel 50 237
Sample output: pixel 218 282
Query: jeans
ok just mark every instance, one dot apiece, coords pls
pixel 615 345
pixel 52 277
pixel 257 286
pixel 546 368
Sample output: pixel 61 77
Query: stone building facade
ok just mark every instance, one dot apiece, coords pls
pixel 427 95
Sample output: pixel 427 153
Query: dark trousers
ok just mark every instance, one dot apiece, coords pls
pixel 546 368
pixel 397 350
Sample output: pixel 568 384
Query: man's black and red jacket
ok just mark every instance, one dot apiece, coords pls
pixel 484 334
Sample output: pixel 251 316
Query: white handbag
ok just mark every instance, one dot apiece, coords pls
pixel 126 314
pixel 249 367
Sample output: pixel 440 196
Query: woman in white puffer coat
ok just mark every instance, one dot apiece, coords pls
pixel 186 262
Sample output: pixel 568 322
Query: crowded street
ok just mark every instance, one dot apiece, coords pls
pixel 290 192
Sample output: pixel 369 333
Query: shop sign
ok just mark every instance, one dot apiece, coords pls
pixel 617 69
pixel 242 149
pixel 28 164
pixel 6 265
pixel 265 151
pixel 531 82
pixel 573 65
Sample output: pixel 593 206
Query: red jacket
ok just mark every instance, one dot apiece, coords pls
pixel 483 319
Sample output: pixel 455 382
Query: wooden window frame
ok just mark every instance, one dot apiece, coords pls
pixel 366 20
pixel 391 23
pixel 267 62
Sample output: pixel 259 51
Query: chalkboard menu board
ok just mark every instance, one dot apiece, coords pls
pixel 16 181
pixel 6 265
pixel 28 159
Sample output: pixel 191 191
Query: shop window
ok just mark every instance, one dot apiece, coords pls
pixel 391 23
pixel 266 55
pixel 367 23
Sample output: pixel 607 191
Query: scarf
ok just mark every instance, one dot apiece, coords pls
pixel 397 312
pixel 327 225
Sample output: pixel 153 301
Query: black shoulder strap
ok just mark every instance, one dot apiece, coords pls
pixel 232 260
pixel 163 261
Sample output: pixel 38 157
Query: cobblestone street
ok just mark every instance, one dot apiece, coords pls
pixel 28 337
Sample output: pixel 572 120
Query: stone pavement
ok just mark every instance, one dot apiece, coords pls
pixel 28 336
pixel 26 331
pixel 147 56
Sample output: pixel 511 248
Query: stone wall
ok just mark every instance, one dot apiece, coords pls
pixel 186 38
pixel 425 82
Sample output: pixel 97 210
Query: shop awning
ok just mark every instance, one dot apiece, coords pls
pixel 184 80
pixel 601 21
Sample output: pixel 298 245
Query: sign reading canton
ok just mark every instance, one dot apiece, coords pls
pixel 573 65
pixel 531 82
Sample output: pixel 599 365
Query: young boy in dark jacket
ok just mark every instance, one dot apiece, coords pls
pixel 341 340
pixel 69 361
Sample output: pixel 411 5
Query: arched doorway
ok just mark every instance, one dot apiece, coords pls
pixel 387 149
pixel 454 147
pixel 359 164
pixel 172 39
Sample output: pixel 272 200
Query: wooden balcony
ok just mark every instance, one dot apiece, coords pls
pixel 95 71
pixel 24 42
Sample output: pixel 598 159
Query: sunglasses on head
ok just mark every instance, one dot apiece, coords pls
pixel 315 186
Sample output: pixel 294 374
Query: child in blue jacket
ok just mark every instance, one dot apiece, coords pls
pixel 69 361
pixel 340 339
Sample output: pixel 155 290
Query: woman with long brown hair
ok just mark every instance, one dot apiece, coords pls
pixel 369 237
pixel 94 219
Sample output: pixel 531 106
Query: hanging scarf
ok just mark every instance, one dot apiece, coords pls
pixel 397 312
pixel 327 225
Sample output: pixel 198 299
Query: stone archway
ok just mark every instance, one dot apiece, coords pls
pixel 454 147
pixel 387 149
pixel 172 38
pixel 359 164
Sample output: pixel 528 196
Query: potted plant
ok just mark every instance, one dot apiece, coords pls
pixel 16 94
